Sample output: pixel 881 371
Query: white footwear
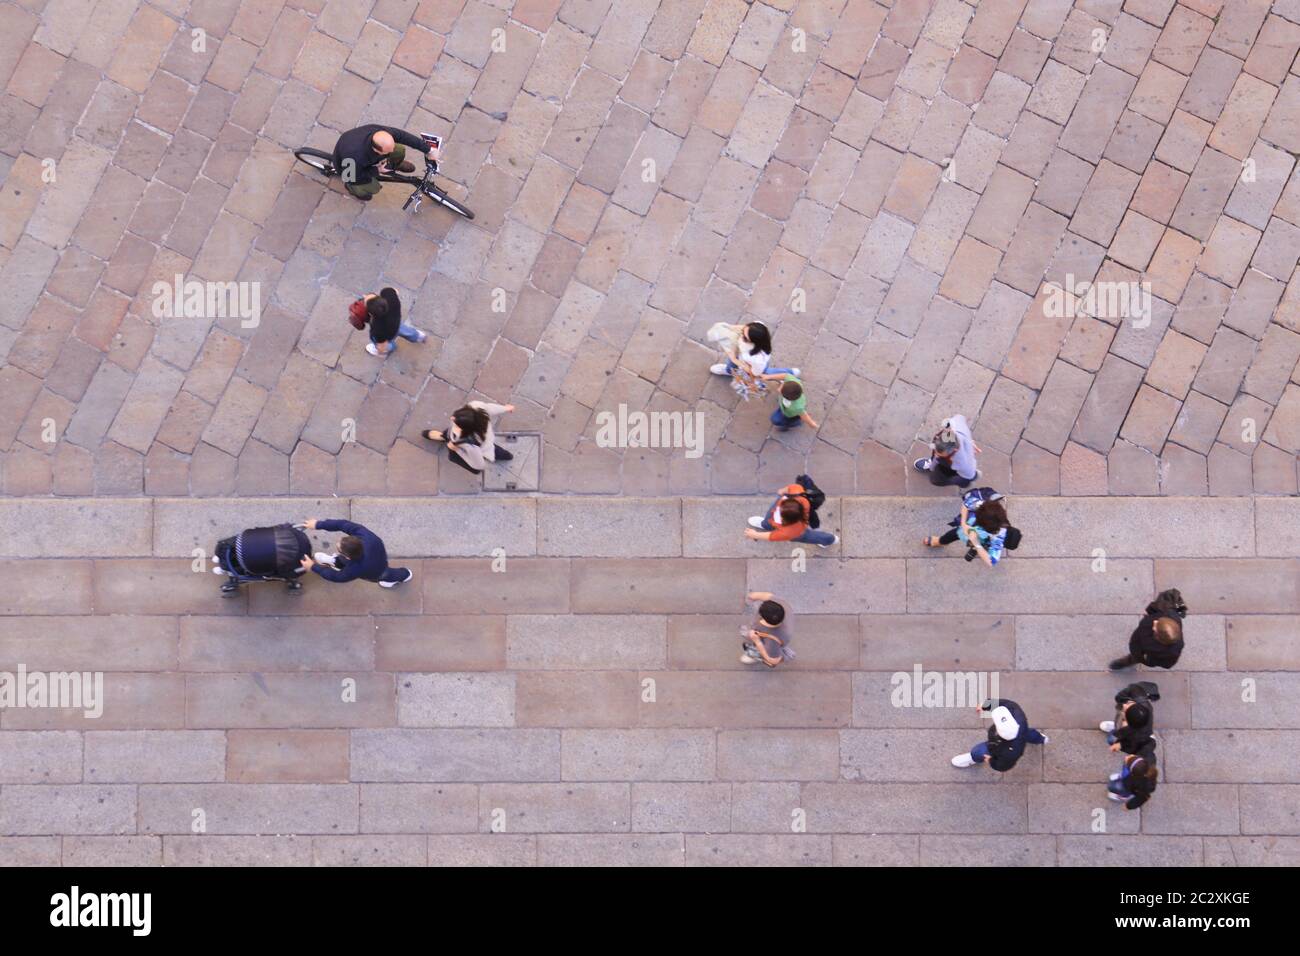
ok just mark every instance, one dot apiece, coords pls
pixel 423 336
pixel 1114 776
pixel 1116 797
pixel 370 347
pixel 1046 739
pixel 756 521
pixel 322 558
pixel 795 372
pixel 832 544
pixel 922 464
pixel 720 369
pixel 746 659
pixel 963 760
pixel 218 571
pixel 392 584
pixel 215 559
pixel 1106 726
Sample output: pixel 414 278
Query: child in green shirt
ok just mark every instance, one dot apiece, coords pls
pixel 791 403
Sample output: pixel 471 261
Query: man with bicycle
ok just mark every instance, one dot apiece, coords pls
pixel 362 153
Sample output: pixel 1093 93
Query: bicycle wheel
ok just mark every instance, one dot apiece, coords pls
pixel 316 159
pixel 444 199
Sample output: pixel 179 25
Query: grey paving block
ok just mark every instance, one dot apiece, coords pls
pixel 856 586
pixel 1270 810
pixel 419 808
pixel 1022 585
pixel 1001 850
pixel 609 527
pixel 451 527
pixel 611 849
pixel 639 755
pixel 414 756
pixel 757 850
pixel 898 642
pixel 555 807
pixel 876 850
pixel 1263 642
pixel 1277 524
pixel 585 642
pixel 156 756
pixel 1243 700
pixel 242 809
pixel 746 755
pixel 76 528
pixel 40 757
pixel 523 472
pixel 914 808
pixel 681 807
pixel 1192 808
pixel 1129 851
pixel 1063 808
pixel 456 700
pixel 67 809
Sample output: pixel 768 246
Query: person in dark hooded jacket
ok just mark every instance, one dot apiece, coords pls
pixel 1134 724
pixel 1007 737
pixel 1157 641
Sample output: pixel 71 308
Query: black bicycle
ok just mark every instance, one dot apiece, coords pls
pixel 424 185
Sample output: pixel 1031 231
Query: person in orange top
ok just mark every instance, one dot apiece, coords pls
pixel 787 520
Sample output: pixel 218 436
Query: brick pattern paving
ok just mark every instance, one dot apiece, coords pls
pixel 907 175
pixel 586 705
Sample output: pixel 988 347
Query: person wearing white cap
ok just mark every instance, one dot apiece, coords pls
pixel 1008 735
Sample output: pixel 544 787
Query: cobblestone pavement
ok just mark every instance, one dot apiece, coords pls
pixel 585 704
pixel 889 185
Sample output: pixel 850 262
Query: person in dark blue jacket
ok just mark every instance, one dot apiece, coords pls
pixel 1008 734
pixel 361 555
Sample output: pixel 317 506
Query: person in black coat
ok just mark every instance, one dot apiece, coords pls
pixel 361 153
pixel 1134 725
pixel 1007 737
pixel 1157 641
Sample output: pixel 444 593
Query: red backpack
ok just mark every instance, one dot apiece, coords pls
pixel 357 314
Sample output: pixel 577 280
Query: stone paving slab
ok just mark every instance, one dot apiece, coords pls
pixel 900 203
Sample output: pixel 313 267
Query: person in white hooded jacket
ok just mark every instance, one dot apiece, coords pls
pixel 952 455
pixel 471 440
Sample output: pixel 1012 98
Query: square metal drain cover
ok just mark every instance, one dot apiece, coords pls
pixel 524 471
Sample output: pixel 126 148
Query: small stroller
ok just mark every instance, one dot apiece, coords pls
pixel 262 554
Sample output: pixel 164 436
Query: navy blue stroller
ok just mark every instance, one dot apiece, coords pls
pixel 262 554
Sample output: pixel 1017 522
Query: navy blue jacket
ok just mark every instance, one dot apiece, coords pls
pixel 372 563
pixel 1004 754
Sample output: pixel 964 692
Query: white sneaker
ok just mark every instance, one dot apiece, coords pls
pixel 922 464
pixel 1114 776
pixel 370 347
pixel 1116 797
pixel 392 584
pixel 963 760
pixel 218 571
pixel 423 337
pixel 746 659
pixel 832 544
pixel 756 521
pixel 1106 726
pixel 720 369
pixel 215 559
pixel 1046 739
pixel 323 558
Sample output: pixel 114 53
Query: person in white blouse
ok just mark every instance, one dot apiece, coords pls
pixel 749 351
pixel 471 440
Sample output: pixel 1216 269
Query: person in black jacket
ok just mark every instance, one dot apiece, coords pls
pixel 359 153
pixel 384 315
pixel 1157 641
pixel 1007 736
pixel 361 555
pixel 1136 780
pixel 1134 725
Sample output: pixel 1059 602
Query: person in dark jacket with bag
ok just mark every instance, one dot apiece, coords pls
pixel 361 555
pixel 1157 641
pixel 384 315
pixel 1134 725
pixel 362 153
pixel 1136 780
pixel 1007 737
